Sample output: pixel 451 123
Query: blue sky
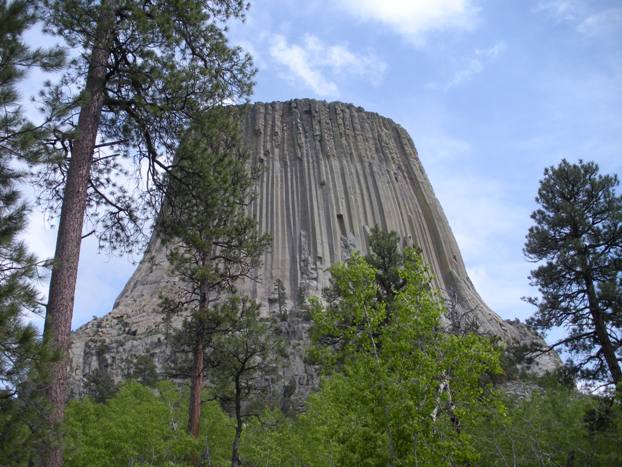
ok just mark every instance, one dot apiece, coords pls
pixel 491 93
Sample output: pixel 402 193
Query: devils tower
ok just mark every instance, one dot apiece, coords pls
pixel 331 171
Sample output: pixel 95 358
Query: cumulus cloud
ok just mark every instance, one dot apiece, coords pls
pixel 416 19
pixel 319 66
pixel 473 66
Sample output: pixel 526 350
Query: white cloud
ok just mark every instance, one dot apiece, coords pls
pixel 605 22
pixel 313 61
pixel 583 17
pixel 472 67
pixel 416 19
pixel 295 59
pixel 560 10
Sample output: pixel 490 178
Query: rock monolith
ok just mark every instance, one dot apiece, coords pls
pixel 331 171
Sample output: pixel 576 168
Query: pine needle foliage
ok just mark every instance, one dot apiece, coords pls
pixel 577 239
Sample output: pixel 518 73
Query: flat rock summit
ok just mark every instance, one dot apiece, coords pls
pixel 332 171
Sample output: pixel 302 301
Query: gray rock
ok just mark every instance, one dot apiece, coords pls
pixel 331 172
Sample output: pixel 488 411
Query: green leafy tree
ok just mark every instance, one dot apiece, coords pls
pixel 212 241
pixel 138 426
pixel 243 355
pixel 144 69
pixel 399 390
pixel 551 425
pixel 23 360
pixel 577 235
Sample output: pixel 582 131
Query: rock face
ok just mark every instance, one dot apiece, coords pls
pixel 331 172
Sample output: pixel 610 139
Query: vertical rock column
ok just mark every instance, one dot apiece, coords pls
pixel 331 172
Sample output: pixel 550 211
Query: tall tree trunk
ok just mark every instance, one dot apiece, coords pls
pixel 235 448
pixel 198 366
pixel 601 331
pixel 196 383
pixel 66 257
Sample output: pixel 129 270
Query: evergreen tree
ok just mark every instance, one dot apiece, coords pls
pixel 23 359
pixel 145 371
pixel 386 257
pixel 212 242
pixel 144 70
pixel 100 385
pixel 578 237
pixel 243 355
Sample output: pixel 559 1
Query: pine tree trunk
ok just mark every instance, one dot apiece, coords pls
pixel 66 257
pixel 601 330
pixel 198 362
pixel 599 321
pixel 196 383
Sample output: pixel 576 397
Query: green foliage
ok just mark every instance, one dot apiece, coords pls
pixel 141 426
pixel 16 133
pixel 100 385
pixel 275 440
pixel 577 237
pixel 212 240
pixel 243 354
pixel 549 427
pixel 137 425
pixel 167 61
pixel 397 389
pixel 387 259
pixel 555 425
pixel 213 243
pixel 145 371
pixel 23 359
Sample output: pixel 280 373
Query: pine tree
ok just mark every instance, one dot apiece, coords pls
pixel 144 70
pixel 145 371
pixel 212 241
pixel 100 385
pixel 23 359
pixel 578 236
pixel 245 353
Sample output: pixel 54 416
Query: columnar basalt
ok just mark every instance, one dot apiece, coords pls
pixel 331 172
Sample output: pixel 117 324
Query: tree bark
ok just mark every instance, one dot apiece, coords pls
pixel 196 383
pixel 198 366
pixel 601 330
pixel 598 319
pixel 66 257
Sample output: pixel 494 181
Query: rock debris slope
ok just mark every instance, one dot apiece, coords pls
pixel 331 172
